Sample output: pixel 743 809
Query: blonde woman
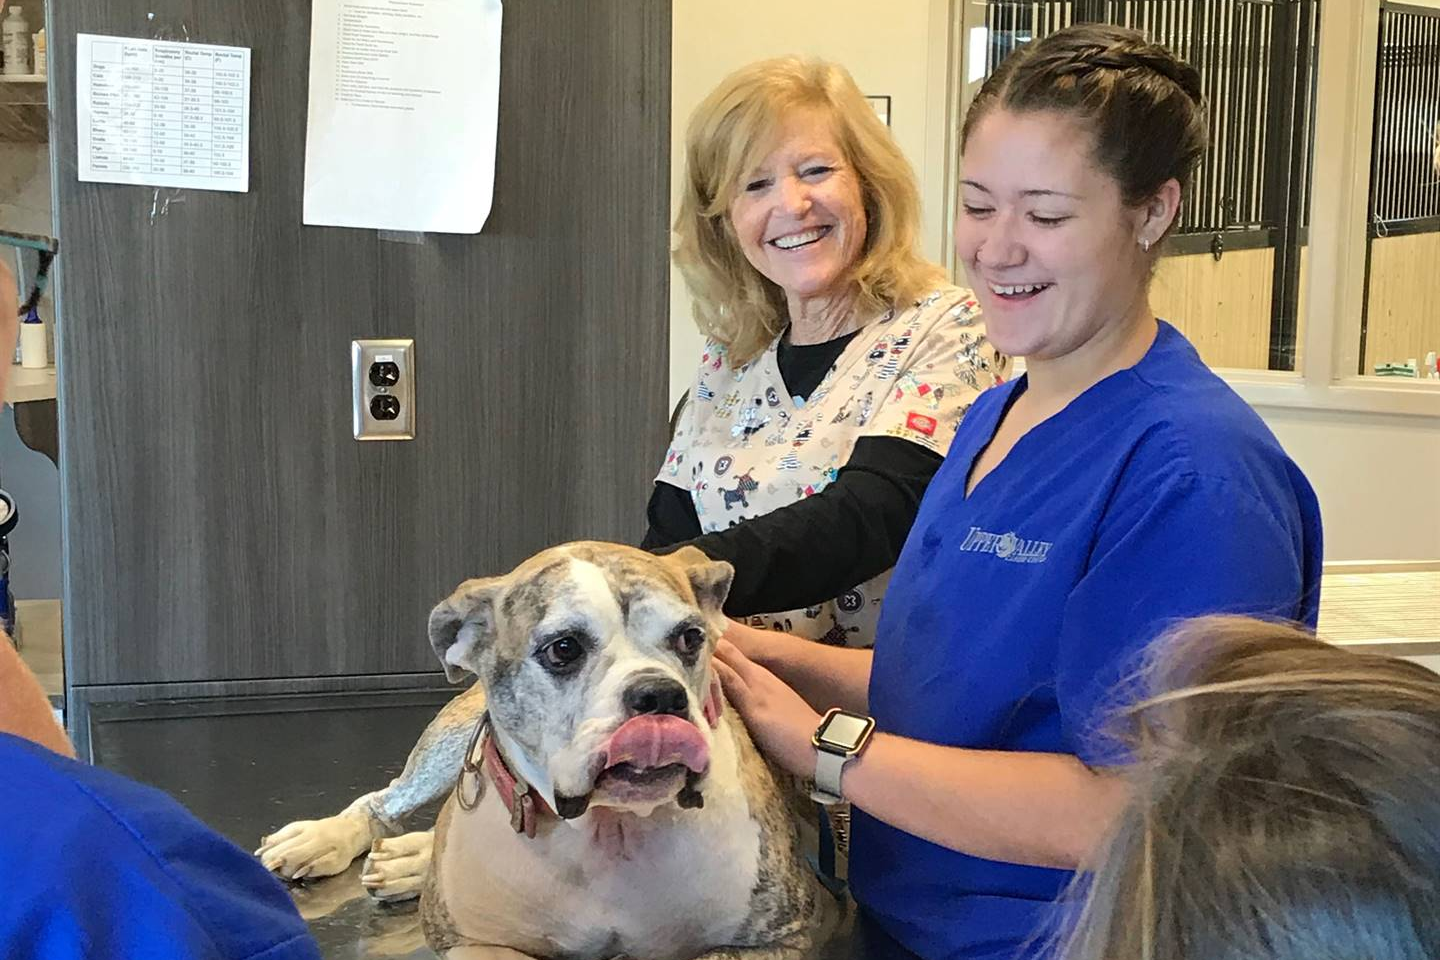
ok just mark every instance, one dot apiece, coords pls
pixel 1284 806
pixel 839 363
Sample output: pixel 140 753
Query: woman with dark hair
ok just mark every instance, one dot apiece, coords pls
pixel 1116 487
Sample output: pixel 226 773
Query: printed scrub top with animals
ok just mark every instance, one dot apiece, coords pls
pixel 744 447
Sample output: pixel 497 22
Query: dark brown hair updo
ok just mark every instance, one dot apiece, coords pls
pixel 1143 104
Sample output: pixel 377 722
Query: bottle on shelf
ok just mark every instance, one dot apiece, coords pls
pixel 15 41
pixel 34 354
pixel 40 58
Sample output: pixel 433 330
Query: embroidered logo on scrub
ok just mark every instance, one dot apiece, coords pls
pixel 921 424
pixel 1006 546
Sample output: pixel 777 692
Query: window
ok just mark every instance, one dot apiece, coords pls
pixel 1400 325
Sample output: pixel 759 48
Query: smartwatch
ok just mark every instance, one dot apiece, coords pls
pixel 838 740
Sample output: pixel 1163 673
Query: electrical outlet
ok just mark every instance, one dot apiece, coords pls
pixel 383 382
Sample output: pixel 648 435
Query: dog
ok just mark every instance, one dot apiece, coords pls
pixel 608 803
pixel 743 484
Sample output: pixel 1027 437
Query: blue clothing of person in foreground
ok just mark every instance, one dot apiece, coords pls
pixel 1015 614
pixel 101 867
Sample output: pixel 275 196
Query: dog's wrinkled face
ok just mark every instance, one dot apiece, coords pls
pixel 595 660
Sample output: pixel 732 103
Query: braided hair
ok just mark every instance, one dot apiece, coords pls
pixel 1144 106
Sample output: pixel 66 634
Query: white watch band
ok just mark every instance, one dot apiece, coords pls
pixel 828 767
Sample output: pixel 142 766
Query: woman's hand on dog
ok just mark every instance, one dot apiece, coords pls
pixel 778 718
pixel 767 648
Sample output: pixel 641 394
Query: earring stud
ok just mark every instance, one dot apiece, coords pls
pixel 1145 244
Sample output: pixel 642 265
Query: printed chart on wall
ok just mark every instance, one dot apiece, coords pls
pixel 404 105
pixel 163 114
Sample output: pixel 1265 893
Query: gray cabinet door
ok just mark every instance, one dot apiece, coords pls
pixel 221 523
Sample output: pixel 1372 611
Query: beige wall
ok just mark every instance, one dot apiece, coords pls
pixel 1377 477
pixel 895 48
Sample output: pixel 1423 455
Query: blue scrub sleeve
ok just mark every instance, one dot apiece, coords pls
pixel 1180 547
pixel 105 868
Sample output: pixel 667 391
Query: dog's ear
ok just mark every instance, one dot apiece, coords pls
pixel 710 579
pixel 462 623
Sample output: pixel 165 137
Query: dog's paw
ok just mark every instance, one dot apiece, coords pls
pixel 314 848
pixel 397 865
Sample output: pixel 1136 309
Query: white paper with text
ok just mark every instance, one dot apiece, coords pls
pixel 163 114
pixel 403 111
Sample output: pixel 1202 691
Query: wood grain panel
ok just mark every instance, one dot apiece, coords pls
pixel 1403 319
pixel 1222 306
pixel 221 522
pixel 1302 308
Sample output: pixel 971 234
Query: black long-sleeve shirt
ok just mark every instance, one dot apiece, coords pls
pixel 816 548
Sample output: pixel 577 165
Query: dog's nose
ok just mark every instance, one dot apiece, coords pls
pixel 657 695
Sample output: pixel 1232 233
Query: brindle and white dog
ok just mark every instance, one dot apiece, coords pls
pixel 609 805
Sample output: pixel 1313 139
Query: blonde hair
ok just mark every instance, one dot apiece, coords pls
pixel 729 133
pixel 1286 805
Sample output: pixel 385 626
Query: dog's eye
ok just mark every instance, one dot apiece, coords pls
pixel 690 642
pixel 562 654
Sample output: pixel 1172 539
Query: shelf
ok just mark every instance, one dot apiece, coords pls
pixel 24 110
pixel 26 90
pixel 24 78
pixel 26 385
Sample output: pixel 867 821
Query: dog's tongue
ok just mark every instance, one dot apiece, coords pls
pixel 657 741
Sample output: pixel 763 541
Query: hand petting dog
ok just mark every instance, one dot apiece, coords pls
pixel 779 720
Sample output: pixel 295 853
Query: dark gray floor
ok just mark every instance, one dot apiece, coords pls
pixel 248 769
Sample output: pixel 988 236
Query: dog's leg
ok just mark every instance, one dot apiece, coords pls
pixel 323 848
pixel 433 765
pixel 319 848
pixel 397 865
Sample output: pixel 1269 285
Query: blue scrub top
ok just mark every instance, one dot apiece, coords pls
pixel 1014 614
pixel 100 867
